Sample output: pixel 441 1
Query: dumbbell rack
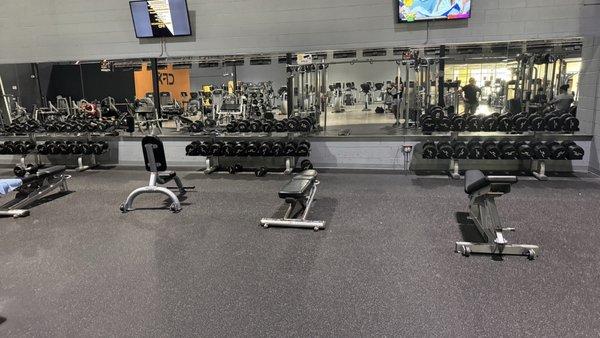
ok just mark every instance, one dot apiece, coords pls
pixel 214 164
pixel 537 167
pixel 85 137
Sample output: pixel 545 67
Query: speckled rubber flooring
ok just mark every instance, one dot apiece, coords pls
pixel 385 265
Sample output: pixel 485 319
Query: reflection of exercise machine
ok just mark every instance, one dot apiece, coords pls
pixel 483 190
pixel 366 89
pixel 31 188
pixel 156 164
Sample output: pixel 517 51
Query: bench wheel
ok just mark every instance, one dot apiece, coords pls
pixel 122 208
pixel 174 208
pixel 316 229
pixel 265 226
pixel 531 255
pixel 466 251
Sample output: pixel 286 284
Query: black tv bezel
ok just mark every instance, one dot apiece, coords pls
pixel 397 13
pixel 160 37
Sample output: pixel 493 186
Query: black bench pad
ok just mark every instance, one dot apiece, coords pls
pixel 475 180
pixel 299 186
pixel 44 173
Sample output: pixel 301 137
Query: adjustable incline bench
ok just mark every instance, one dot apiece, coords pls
pixel 299 193
pixel 30 189
pixel 482 192
pixel 156 164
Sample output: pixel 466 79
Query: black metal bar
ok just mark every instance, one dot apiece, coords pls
pixel 235 77
pixel 156 88
pixel 290 86
pixel 41 102
pixel 441 78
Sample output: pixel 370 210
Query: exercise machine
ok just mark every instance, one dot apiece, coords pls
pixel 483 190
pixel 299 193
pixel 35 184
pixel 156 164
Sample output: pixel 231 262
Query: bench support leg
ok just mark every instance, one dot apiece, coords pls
pixel 541 173
pixel 484 213
pixel 302 222
pixel 454 170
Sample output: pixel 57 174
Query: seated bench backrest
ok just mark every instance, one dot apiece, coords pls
pixel 154 154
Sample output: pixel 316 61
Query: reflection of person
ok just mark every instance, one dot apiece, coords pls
pixel 471 95
pixel 396 91
pixel 540 96
pixel 563 101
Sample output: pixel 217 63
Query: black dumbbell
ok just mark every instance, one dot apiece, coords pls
pixel 574 152
pixel 489 123
pixel 520 123
pixel 507 150
pixel 19 148
pixel 557 151
pixel 236 168
pixel 252 148
pixel 524 151
pixel 429 150
pixel 77 148
pixel 268 126
pixel 443 124
pixel 428 124
pixel 256 126
pixel 475 150
pixel 490 150
pixel 290 148
pixel 192 149
pixel 216 149
pixel 473 123
pixel 444 150
pixel 21 171
pixel 210 123
pixel 292 125
pixel 553 122
pixel 243 126
pixel 232 127
pixel 569 123
pixel 505 123
pixel 278 148
pixel 460 150
pixel 303 148
pixel 281 126
pixel 228 148
pixel 261 172
pixel 240 148
pixel 306 125
pixel 204 148
pixel 458 123
pixel 265 149
pixel 539 150
pixel 306 165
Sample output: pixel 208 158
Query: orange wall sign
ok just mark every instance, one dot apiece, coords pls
pixel 171 80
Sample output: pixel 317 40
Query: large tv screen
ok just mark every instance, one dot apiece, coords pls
pixel 423 10
pixel 160 18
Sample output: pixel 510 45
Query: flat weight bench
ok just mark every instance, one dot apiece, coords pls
pixel 156 164
pixel 30 189
pixel 299 193
pixel 482 192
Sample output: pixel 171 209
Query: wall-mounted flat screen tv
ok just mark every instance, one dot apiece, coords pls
pixel 423 10
pixel 160 18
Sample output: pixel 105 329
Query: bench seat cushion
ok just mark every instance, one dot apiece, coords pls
pixel 296 188
pixel 44 173
pixel 475 180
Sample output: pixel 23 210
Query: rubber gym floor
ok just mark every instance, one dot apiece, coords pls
pixel 385 265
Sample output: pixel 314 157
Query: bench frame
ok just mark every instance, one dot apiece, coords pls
pixel 28 193
pixel 484 213
pixel 297 212
pixel 156 178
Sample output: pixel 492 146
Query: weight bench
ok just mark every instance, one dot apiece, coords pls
pixel 483 191
pixel 156 164
pixel 30 189
pixel 299 193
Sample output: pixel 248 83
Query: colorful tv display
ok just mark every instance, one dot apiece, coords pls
pixel 423 10
pixel 160 18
